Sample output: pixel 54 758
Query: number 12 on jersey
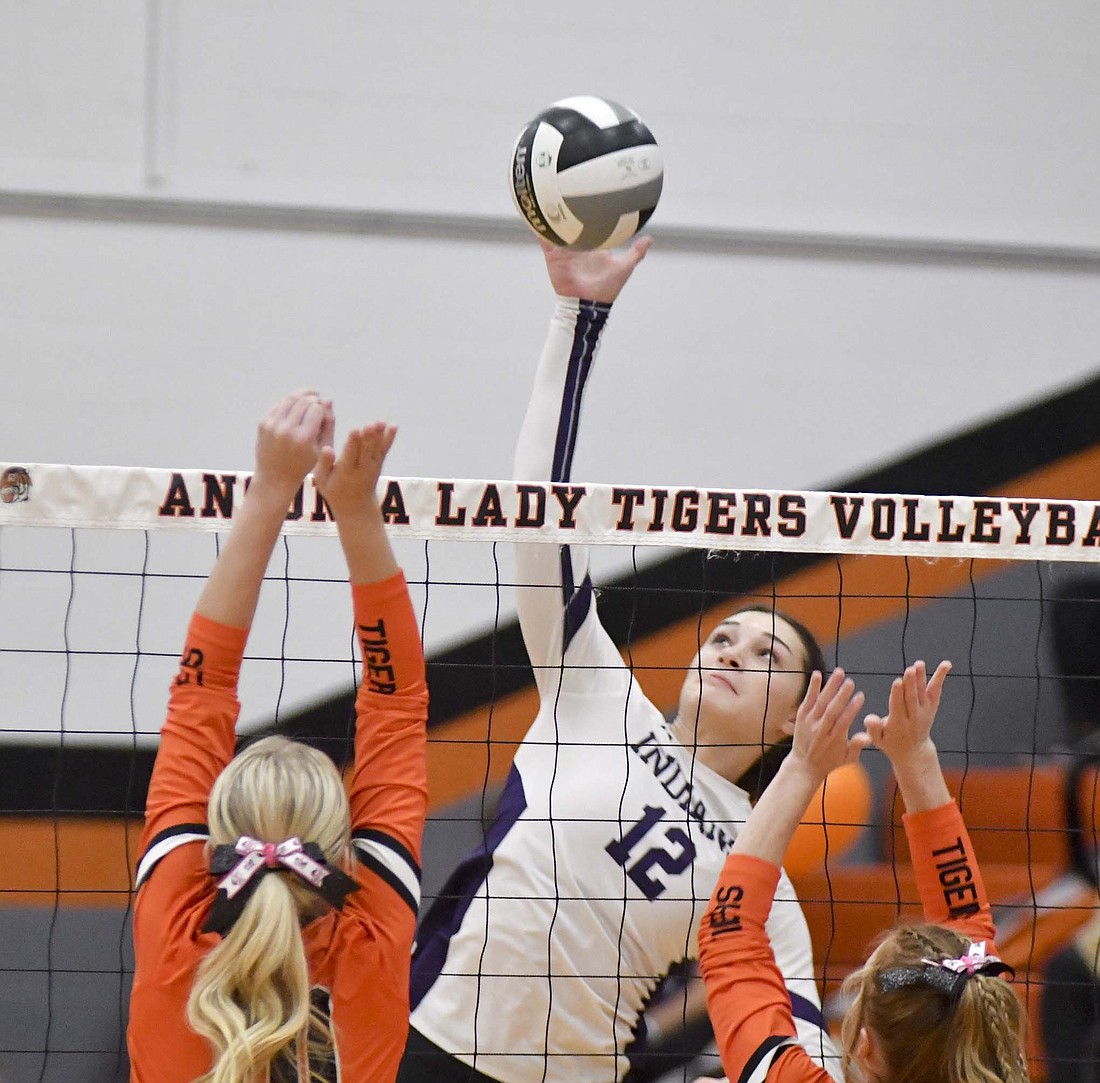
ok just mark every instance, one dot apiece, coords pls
pixel 661 855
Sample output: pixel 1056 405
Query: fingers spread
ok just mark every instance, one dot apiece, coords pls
pixel 353 446
pixel 897 697
pixel 813 690
pixel 853 707
pixel 935 685
pixel 912 686
pixel 390 436
pixel 831 688
pixel 837 697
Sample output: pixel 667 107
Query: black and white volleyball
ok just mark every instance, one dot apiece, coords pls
pixel 586 173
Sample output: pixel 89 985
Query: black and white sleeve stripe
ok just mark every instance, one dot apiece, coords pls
pixel 384 855
pixel 164 843
pixel 756 1070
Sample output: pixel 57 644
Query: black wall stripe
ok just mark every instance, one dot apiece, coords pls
pixel 106 781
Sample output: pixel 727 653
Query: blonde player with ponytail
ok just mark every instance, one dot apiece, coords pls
pixel 930 1005
pixel 276 910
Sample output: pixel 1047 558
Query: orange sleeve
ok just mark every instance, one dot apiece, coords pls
pixel 948 878
pixel 389 785
pixel 197 739
pixel 388 789
pixel 747 999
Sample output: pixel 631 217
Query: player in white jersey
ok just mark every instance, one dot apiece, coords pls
pixel 538 958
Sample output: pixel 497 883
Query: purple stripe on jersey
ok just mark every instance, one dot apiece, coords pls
pixel 806 1010
pixel 591 317
pixel 446 914
pixel 577 607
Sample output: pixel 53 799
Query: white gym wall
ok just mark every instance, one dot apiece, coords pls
pixel 880 225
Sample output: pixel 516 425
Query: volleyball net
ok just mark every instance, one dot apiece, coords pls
pixel 100 569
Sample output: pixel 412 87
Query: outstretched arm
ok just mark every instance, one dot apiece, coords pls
pixel 555 597
pixel 748 1000
pixel 348 484
pixel 287 445
pixel 388 785
pixel 949 880
pixel 586 284
pixel 197 738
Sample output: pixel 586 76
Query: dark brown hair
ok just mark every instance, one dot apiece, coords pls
pixel 764 769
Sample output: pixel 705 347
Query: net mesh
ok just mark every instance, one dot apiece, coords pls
pixel 100 569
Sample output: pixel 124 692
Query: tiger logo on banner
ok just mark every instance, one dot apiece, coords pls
pixel 15 485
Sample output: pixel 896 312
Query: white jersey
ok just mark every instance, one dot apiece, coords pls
pixel 538 958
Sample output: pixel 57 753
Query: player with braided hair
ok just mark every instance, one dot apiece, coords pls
pixel 276 910
pixel 930 1004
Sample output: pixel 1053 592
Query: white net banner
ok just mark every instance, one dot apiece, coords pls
pixel 1004 528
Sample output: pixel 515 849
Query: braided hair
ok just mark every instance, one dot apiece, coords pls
pixel 934 1024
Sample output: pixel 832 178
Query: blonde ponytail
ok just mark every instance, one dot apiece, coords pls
pixel 251 994
pixel 250 999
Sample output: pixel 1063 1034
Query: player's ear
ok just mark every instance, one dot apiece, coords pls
pixel 860 1048
pixel 868 1055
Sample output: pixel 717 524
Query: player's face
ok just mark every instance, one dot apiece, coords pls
pixel 748 676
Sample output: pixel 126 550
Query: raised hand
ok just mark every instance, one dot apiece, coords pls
pixel 349 482
pixel 289 440
pixel 594 276
pixel 905 736
pixel 914 700
pixel 820 728
pixel 288 443
pixel 821 742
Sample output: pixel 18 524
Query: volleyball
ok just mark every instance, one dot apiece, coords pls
pixel 586 173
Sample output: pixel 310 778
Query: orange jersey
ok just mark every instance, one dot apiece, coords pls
pixel 746 996
pixel 359 956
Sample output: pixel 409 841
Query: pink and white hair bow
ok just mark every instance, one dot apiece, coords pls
pixel 246 862
pixel 256 855
pixel 945 975
pixel 973 962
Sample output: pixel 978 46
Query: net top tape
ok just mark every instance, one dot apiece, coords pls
pixel 1003 528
